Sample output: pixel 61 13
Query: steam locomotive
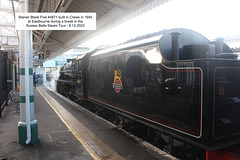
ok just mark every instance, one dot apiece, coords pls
pixel 182 87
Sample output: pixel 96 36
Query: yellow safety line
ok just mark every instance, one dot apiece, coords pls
pixel 84 144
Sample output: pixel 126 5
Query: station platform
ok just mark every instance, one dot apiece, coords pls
pixel 68 131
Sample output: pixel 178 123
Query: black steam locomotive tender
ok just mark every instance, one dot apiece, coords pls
pixel 183 87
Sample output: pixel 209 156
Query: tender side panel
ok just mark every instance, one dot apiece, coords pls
pixel 169 97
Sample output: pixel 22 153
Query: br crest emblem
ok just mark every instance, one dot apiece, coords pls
pixel 117 82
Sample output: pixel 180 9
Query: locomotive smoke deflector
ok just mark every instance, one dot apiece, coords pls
pixel 175 47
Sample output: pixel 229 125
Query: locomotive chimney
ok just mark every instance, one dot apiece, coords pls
pixel 175 47
pixel 219 45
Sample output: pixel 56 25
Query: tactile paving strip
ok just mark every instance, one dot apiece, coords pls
pixel 98 149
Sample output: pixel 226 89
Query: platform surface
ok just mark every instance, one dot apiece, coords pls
pixel 67 131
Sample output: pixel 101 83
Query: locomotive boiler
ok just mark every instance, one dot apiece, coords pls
pixel 184 88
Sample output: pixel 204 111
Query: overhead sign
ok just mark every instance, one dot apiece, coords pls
pixel 60 63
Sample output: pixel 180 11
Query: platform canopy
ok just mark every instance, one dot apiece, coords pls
pixel 110 13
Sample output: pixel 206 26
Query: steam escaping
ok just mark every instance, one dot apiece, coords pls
pixel 54 78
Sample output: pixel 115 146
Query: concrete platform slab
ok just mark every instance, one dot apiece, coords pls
pixel 57 141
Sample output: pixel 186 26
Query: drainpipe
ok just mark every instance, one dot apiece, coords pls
pixel 27 88
pixel 28 43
